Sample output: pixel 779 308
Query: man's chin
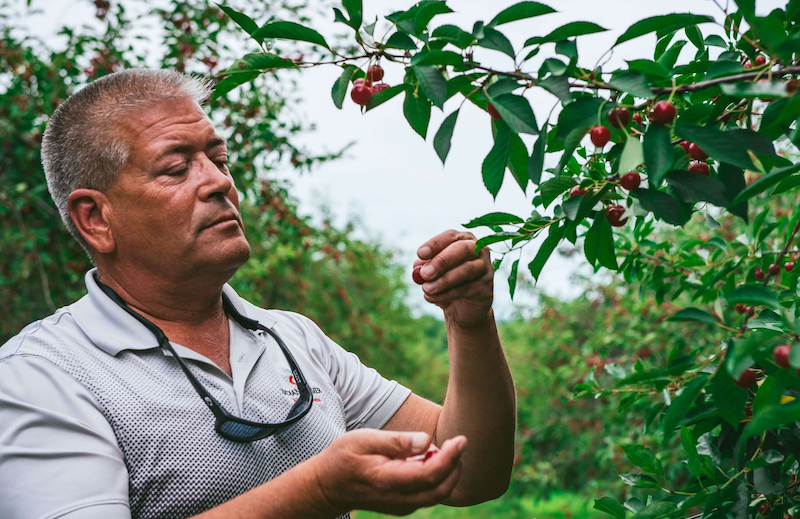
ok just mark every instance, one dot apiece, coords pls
pixel 230 254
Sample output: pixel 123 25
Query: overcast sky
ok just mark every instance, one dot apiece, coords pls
pixel 392 179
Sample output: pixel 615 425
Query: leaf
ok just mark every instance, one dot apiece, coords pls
pixel 583 112
pixel 662 25
pixel 455 35
pixel 733 178
pixel 232 81
pixel 441 142
pixel 644 458
pixel 425 13
pixel 512 278
pixel 242 20
pixel 518 160
pixel 495 40
pixel 520 11
pixel 753 294
pixel 257 61
pixel 727 146
pixel 494 219
pixel 680 405
pixel 400 40
pixel 340 85
pixel 657 510
pixel 754 90
pixel 729 397
pixel 289 31
pixel 558 86
pixel 554 187
pixel 432 83
pixel 657 153
pixel 384 95
pixel 610 506
pixel 695 36
pixel 765 182
pixel 354 9
pixel 494 165
pixel 437 57
pixel 494 238
pixel 639 480
pixel 632 82
pixel 536 163
pixel 502 86
pixel 772 417
pixel 663 206
pixel 599 243
pixel 566 31
pixel 632 155
pixel 698 188
pixel 647 67
pixel 517 112
pixel 544 252
pixel 692 314
pixel 417 110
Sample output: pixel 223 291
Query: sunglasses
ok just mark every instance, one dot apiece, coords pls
pixel 227 425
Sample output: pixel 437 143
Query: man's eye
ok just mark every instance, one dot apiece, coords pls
pixel 178 173
pixel 222 164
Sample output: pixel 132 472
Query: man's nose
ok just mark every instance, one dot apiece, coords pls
pixel 214 181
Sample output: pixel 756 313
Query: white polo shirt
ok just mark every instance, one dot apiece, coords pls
pixel 97 421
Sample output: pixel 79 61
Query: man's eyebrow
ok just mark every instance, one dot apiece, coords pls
pixel 187 148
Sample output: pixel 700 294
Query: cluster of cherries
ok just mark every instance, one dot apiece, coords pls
pixel 363 88
pixel 780 355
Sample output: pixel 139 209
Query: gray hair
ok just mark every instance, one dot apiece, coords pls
pixel 83 147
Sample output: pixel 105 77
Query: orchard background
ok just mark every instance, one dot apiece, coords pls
pixel 667 388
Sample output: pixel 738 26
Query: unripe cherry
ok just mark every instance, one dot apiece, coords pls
pixel 493 113
pixel 663 112
pixel 630 180
pixel 746 379
pixel 614 215
pixel 600 135
pixel 696 152
pixel 781 356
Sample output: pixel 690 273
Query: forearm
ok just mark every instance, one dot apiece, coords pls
pixel 295 493
pixel 480 404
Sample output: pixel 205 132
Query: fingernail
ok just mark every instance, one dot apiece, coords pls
pixel 423 252
pixel 429 287
pixel 427 271
pixel 419 441
pixel 462 446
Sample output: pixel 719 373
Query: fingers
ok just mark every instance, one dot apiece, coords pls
pixel 463 273
pixel 438 243
pixel 456 253
pixel 414 476
pixel 392 444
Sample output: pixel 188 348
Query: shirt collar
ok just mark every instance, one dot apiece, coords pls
pixel 113 330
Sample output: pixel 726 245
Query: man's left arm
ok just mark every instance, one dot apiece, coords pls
pixel 480 400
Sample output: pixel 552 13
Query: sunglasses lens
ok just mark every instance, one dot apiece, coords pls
pixel 241 432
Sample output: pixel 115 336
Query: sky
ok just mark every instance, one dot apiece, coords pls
pixel 392 180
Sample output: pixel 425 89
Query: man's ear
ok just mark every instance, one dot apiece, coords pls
pixel 89 210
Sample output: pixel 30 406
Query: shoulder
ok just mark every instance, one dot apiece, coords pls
pixel 51 330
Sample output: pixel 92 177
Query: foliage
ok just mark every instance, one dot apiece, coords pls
pixel 734 100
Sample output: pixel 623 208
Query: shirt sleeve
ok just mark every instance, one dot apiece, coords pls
pixel 59 457
pixel 369 399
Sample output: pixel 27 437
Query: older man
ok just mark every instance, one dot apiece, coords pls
pixel 163 394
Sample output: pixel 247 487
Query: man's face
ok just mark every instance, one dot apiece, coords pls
pixel 174 207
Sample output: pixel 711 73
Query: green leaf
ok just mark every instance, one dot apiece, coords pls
pixel 494 165
pixel 753 90
pixel 455 35
pixel 495 40
pixel 425 13
pixel 417 110
pixel 639 480
pixel 289 31
pixel 581 113
pixel 257 61
pixel 632 155
pixel 400 40
pixel 770 391
pixel 432 83
pixel 787 184
pixel 727 146
pixel 354 9
pixel 569 30
pixel 520 11
pixel 571 206
pixel 599 243
pixel 494 219
pixel 663 206
pixel 512 279
pixel 657 153
pixel 558 86
pixel 441 142
pixel 437 57
pixel 494 238
pixel 764 183
pixel 232 81
pixel 692 314
pixel 772 417
pixel 729 397
pixel 517 112
pixel 502 86
pixel 753 294
pixel 340 85
pixel 544 252
pixel 644 458
pixel 695 36
pixel 384 95
pixel 662 25
pixel 698 188
pixel 551 189
pixel 650 68
pixel 632 82
pixel 657 510
pixel 536 163
pixel 680 405
pixel 733 178
pixel 518 160
pixel 610 506
pixel 242 20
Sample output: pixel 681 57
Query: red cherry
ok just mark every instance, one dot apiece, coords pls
pixel 361 82
pixel 577 191
pixel 760 60
pixel 759 274
pixel 746 379
pixel 781 356
pixel 787 515
pixel 600 135
pixel 375 73
pixel 493 113
pixel 748 65
pixel 361 94
pixel 696 152
pixel 614 215
pixel 630 180
pixel 663 112
pixel 764 509
pixel 619 117
pixel 774 269
pixel 380 87
pixel 637 118
pixel 750 311
pixel 417 276
pixel 788 266
pixel 429 454
pixel 685 145
pixel 701 168
pixel 740 308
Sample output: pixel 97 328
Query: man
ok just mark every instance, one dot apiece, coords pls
pixel 162 394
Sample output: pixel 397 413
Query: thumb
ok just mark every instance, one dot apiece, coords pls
pixel 395 444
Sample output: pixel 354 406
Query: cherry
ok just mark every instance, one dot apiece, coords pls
pixel 375 73
pixel 740 308
pixel 685 145
pixel 361 94
pixel 417 276
pixel 759 274
pixel 600 135
pixel 696 152
pixel 614 215
pixel 750 311
pixel 701 168
pixel 380 87
pixel 362 82
pixel 760 60
pixel 493 113
pixel 619 117
pixel 787 516
pixel 781 356
pixel 663 112
pixel 764 509
pixel 637 118
pixel 630 180
pixel 577 191
pixel 748 65
pixel 746 379
pixel 788 266
pixel 774 269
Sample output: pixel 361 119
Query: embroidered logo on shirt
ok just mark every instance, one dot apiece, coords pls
pixel 296 392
